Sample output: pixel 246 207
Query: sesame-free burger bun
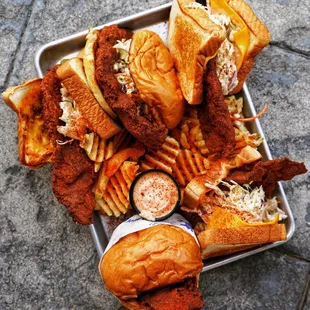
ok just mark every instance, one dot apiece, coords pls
pixel 152 69
pixel 150 259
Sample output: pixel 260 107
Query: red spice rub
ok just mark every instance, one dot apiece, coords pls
pixel 73 180
pixel 148 133
pixel 215 121
pixel 184 296
pixel 50 88
pixel 268 173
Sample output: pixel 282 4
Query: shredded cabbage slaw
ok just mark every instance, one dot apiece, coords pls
pixel 121 69
pixel 250 203
pixel 226 68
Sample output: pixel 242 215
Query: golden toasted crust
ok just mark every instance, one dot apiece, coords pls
pixel 149 259
pixel 220 250
pixel 34 147
pixel 152 69
pixel 259 38
pixel 216 241
pixel 192 38
pixel 71 74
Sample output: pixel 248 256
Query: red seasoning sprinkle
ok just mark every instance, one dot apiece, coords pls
pixel 155 195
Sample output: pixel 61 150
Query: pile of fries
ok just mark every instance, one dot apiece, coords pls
pixel 183 155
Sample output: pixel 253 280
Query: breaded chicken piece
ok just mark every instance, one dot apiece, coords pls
pixel 51 97
pixel 145 131
pixel 216 125
pixel 73 180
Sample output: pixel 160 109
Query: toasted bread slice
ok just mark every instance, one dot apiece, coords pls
pixel 192 39
pixel 71 73
pixel 227 233
pixel 223 241
pixel 89 66
pixel 34 147
pixel 81 53
pixel 259 38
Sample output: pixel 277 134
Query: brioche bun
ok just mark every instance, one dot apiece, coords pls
pixel 150 259
pixel 152 69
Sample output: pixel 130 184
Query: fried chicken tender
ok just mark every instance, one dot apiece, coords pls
pixel 215 121
pixel 184 296
pixel 147 132
pixel 73 180
pixel 50 88
pixel 268 173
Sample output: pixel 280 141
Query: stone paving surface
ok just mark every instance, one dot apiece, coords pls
pixel 48 262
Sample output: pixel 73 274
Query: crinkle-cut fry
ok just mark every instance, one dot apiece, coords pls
pixel 101 151
pixel 97 167
pixel 94 150
pixel 109 152
pixel 188 165
pixel 103 207
pixel 88 142
pixel 116 196
pixel 171 145
pixel 101 184
pixel 97 148
pixel 154 163
pixel 190 135
pixel 129 171
pixel 110 202
pixel 114 163
pixel 121 182
pixel 164 158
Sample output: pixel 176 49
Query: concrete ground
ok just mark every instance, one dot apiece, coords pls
pixel 48 262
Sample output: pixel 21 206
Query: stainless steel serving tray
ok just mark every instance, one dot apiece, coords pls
pixel 156 20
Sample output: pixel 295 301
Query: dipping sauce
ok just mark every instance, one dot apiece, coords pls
pixel 154 195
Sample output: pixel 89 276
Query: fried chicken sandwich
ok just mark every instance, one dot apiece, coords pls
pixel 135 73
pixel 227 30
pixel 155 268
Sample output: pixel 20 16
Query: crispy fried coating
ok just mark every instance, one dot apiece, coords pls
pixel 73 180
pixel 216 125
pixel 50 88
pixel 268 173
pixel 148 133
pixel 183 296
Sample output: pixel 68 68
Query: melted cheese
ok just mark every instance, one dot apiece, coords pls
pixel 241 37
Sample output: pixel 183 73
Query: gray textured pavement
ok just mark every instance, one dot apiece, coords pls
pixel 48 262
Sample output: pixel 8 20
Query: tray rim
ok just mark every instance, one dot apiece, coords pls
pixel 246 94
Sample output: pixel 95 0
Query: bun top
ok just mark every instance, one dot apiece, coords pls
pixel 150 259
pixel 152 69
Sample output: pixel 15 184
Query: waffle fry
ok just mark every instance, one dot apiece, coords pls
pixel 190 134
pixel 164 158
pixel 115 199
pixel 113 165
pixel 188 165
pixel 97 149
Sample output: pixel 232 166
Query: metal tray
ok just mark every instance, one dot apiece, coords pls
pixel 157 20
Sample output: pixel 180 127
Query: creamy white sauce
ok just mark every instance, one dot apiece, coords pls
pixel 155 195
